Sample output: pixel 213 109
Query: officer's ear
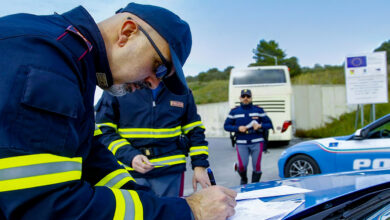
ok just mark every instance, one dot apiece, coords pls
pixel 128 28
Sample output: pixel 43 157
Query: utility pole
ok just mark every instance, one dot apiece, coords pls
pixel 268 55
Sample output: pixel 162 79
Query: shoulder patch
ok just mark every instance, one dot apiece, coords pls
pixel 177 104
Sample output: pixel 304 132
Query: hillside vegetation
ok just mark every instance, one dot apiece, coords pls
pixel 209 90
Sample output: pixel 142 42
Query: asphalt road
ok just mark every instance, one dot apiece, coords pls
pixel 222 157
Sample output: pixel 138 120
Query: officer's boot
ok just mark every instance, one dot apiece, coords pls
pixel 256 177
pixel 244 178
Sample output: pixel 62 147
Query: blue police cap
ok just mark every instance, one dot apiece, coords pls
pixel 175 31
pixel 246 92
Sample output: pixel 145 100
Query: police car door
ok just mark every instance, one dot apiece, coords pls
pixel 371 151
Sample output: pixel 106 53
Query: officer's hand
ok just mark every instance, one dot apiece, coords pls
pixel 215 202
pixel 256 126
pixel 141 164
pixel 242 129
pixel 201 177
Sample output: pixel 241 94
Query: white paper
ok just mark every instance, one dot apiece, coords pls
pixel 255 209
pixel 250 125
pixel 269 192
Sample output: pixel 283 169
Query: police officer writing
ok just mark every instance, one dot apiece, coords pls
pixel 248 122
pixel 50 165
pixel 151 131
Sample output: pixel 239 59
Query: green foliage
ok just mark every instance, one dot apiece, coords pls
pixel 210 75
pixel 320 75
pixel 210 92
pixel 344 125
pixel 385 46
pixel 266 53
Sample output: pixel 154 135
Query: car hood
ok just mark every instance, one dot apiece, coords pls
pixel 324 187
pixel 323 141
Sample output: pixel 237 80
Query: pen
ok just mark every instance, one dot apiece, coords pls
pixel 211 176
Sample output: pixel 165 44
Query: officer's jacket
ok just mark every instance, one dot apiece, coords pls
pixel 243 116
pixel 48 75
pixel 164 130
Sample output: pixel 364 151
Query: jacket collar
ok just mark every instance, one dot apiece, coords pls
pixel 83 21
pixel 246 106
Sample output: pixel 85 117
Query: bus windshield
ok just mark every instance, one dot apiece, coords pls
pixel 260 76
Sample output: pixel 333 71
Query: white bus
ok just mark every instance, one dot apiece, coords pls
pixel 271 90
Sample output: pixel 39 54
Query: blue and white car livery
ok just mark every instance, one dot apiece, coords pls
pixel 368 148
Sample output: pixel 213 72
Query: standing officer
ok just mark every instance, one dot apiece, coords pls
pixel 145 129
pixel 248 122
pixel 49 166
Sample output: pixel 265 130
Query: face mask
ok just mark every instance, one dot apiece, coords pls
pixel 122 89
pixel 117 90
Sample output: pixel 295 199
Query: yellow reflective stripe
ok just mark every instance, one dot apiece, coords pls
pixel 120 205
pixel 36 181
pixel 151 135
pixel 181 156
pixel 153 130
pixel 115 145
pixel 107 124
pixel 123 182
pixel 139 210
pixel 198 153
pixel 197 150
pixel 128 205
pixel 189 127
pixel 97 132
pixel 28 171
pixel 116 179
pixel 150 132
pixel 27 160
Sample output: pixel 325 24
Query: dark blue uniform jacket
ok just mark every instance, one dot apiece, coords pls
pixel 243 116
pixel 164 129
pixel 50 167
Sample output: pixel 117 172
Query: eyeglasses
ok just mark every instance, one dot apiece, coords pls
pixel 165 67
pixel 246 96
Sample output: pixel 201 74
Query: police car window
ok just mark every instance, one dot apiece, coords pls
pixel 382 131
pixel 259 76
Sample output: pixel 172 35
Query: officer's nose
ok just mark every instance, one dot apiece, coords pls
pixel 152 81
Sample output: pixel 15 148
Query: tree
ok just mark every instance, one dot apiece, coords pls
pixel 267 52
pixel 293 65
pixel 385 46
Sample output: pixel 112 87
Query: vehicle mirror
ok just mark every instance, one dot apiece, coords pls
pixel 358 133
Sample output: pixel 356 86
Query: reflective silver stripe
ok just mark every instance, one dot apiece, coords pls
pixel 230 116
pixel 116 144
pixel 150 132
pixel 241 141
pixel 129 210
pixel 198 150
pixel 167 162
pixel 239 116
pixel 116 179
pixel 257 114
pixel 257 140
pixel 38 169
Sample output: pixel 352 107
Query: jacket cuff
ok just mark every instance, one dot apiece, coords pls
pixel 200 163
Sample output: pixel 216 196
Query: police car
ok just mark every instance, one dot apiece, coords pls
pixel 346 195
pixel 367 148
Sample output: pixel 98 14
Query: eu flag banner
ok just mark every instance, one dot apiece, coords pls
pixel 356 61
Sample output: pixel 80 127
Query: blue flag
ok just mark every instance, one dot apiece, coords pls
pixel 356 61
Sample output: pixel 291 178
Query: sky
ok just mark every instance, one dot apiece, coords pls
pixel 225 32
